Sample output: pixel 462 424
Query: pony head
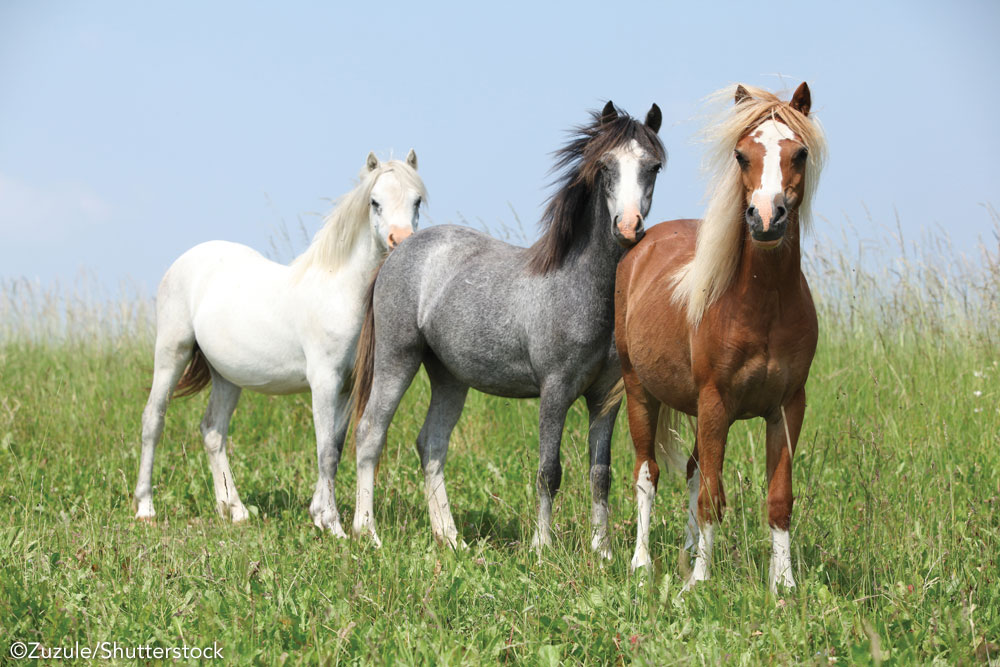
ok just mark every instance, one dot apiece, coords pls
pixel 395 199
pixel 764 159
pixel 628 173
pixel 616 158
pixel 772 159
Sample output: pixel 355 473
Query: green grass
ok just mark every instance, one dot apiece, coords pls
pixel 896 529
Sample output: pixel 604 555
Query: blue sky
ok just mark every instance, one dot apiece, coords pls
pixel 131 131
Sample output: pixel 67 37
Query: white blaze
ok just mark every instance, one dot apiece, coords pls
pixel 627 197
pixel 769 135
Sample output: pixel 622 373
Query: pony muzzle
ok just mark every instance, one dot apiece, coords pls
pixel 628 229
pixel 397 235
pixel 767 228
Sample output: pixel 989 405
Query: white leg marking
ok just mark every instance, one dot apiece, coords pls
pixel 644 492
pixel 781 560
pixel 601 540
pixel 364 511
pixel 442 523
pixel 691 532
pixel 706 538
pixel 543 533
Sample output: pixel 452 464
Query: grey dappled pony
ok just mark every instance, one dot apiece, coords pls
pixel 511 321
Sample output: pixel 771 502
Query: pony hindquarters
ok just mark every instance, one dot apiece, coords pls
pixel 178 362
pixel 389 356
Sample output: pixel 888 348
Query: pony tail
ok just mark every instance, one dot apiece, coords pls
pixel 364 362
pixel 196 376
pixel 613 398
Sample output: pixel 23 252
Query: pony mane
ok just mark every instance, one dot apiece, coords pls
pixel 700 282
pixel 343 226
pixel 579 163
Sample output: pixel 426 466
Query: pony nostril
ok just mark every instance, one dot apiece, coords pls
pixel 392 240
pixel 781 212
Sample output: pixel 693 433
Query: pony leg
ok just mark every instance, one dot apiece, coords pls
pixel 780 448
pixel 388 387
pixel 447 401
pixel 552 418
pixel 643 415
pixel 170 359
pixel 713 428
pixel 691 532
pixel 601 428
pixel 331 413
pixel 214 428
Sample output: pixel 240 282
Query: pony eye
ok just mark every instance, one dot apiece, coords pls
pixel 376 205
pixel 801 154
pixel 418 203
pixel 741 159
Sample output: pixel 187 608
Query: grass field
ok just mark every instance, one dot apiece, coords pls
pixel 896 529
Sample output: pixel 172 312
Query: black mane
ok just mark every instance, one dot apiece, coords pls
pixel 579 162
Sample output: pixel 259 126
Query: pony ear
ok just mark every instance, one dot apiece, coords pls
pixel 609 113
pixel 741 94
pixel 802 100
pixel 654 118
pixel 411 158
pixel 372 162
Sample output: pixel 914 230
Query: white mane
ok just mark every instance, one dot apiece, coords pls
pixel 343 227
pixel 700 282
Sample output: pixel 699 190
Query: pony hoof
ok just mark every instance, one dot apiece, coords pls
pixel 639 563
pixel 361 531
pixel 143 509
pixel 150 519
pixel 452 542
pixel 693 579
pixel 238 514
pixel 539 542
pixel 328 519
pixel 599 545
pixel 784 580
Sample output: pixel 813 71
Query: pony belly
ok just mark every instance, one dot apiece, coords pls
pixel 497 379
pixel 248 364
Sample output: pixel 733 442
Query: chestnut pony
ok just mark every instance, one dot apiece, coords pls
pixel 714 319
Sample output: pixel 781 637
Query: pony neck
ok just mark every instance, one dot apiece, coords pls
pixel 771 270
pixel 594 246
pixel 365 255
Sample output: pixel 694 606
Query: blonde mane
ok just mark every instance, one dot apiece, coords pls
pixel 342 228
pixel 701 281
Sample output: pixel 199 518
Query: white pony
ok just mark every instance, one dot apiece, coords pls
pixel 239 320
